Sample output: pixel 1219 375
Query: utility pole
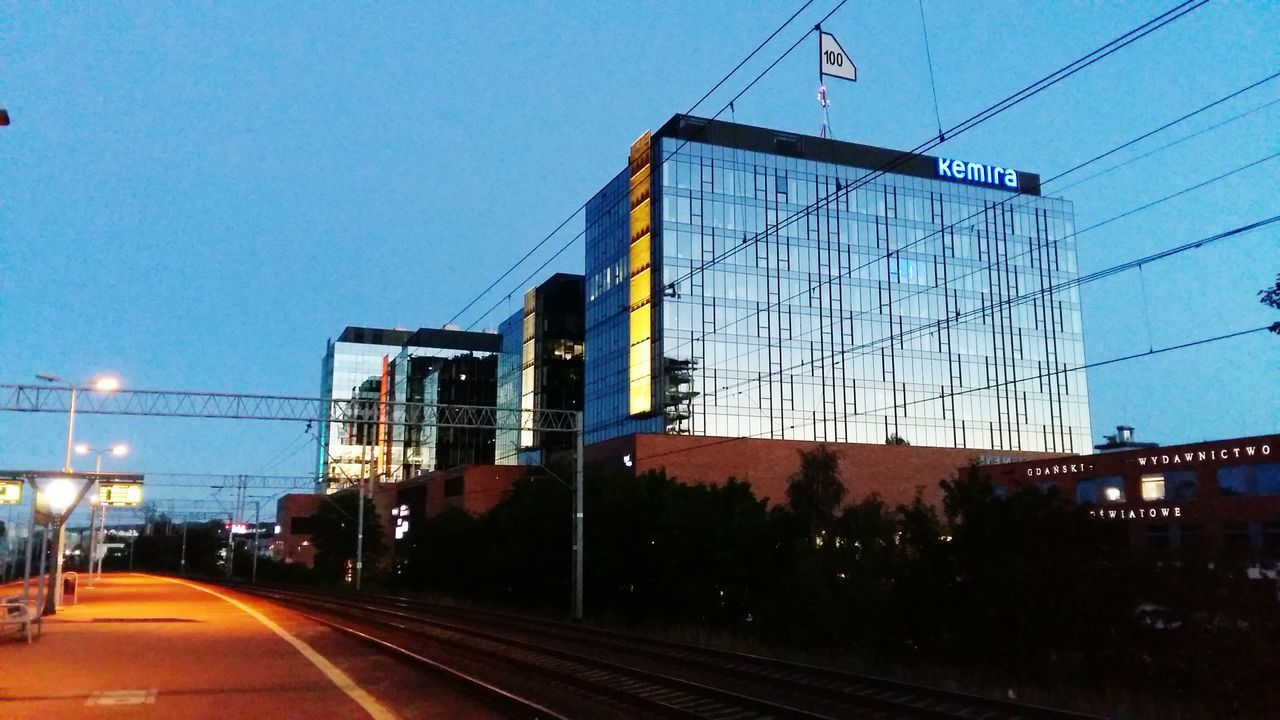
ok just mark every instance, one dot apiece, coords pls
pixel 364 467
pixel 257 524
pixel 182 564
pixel 577 518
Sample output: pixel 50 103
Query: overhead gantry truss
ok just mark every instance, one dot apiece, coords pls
pixel 170 403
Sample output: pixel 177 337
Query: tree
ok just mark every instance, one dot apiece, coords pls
pixel 334 535
pixel 1271 298
pixel 815 493
pixel 895 439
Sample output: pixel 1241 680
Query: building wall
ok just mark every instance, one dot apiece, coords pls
pixel 785 332
pixel 894 472
pixel 289 546
pixel 1220 494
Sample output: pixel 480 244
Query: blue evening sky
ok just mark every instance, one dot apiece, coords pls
pixel 196 196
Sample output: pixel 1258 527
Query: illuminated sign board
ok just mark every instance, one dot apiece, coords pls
pixel 977 173
pixel 10 492
pixel 120 494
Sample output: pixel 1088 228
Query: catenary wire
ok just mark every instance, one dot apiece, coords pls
pixel 950 280
pixel 583 206
pixel 957 224
pixel 990 308
pixel 973 121
pixel 991 386
pixel 1027 92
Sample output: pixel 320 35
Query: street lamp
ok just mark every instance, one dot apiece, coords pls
pixel 104 383
pixel 100 384
pixel 98 534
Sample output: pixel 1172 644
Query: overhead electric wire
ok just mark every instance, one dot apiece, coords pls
pixel 950 280
pixel 979 213
pixel 980 269
pixel 983 310
pixel 583 206
pixel 1035 88
pixel 990 386
pixel 973 121
pixel 1166 146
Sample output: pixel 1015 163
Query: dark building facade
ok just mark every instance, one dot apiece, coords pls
pixel 1222 495
pixel 541 367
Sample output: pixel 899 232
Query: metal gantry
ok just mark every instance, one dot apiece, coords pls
pixel 176 403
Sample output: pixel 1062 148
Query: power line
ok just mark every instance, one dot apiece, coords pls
pixel 583 206
pixel 957 224
pixel 949 280
pixel 1166 146
pixel 1084 366
pixel 1024 94
pixel 996 306
pixel 973 121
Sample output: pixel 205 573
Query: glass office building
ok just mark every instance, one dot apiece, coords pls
pixel 743 282
pixel 379 370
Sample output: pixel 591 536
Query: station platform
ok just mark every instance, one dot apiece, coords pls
pixel 140 646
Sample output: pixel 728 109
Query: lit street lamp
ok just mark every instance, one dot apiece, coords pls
pixel 100 384
pixel 98 531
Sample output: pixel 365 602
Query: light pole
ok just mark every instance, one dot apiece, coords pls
pixel 101 384
pixel 118 450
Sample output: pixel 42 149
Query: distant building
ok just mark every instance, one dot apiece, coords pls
pixel 379 370
pixel 541 367
pixel 1222 494
pixel 475 489
pixel 292 542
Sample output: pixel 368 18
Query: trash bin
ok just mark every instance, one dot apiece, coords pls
pixel 70 581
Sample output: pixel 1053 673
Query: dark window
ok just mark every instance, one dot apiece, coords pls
pixel 1260 479
pixel 1235 539
pixel 1233 481
pixel 1191 537
pixel 1158 536
pixel 1271 541
pixel 304 525
pixel 1087 491
pixel 1268 478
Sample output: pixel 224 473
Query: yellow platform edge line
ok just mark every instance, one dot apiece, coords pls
pixel 344 682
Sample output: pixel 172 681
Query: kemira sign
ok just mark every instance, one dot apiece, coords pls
pixel 977 173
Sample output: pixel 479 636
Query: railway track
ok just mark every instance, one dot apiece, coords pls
pixel 556 670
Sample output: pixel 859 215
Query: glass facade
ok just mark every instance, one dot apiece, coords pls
pixel 909 306
pixel 382 369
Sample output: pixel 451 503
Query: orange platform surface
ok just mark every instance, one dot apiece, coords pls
pixel 137 646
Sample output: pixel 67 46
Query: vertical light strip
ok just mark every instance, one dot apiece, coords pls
pixel 640 375
pixel 528 369
pixel 382 455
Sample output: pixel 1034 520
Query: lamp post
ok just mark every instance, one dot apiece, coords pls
pixel 95 505
pixel 100 384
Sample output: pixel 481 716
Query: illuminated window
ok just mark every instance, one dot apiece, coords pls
pixel 1153 487
pixel 1100 490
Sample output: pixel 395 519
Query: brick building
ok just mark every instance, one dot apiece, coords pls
pixel 894 472
pixel 1217 495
